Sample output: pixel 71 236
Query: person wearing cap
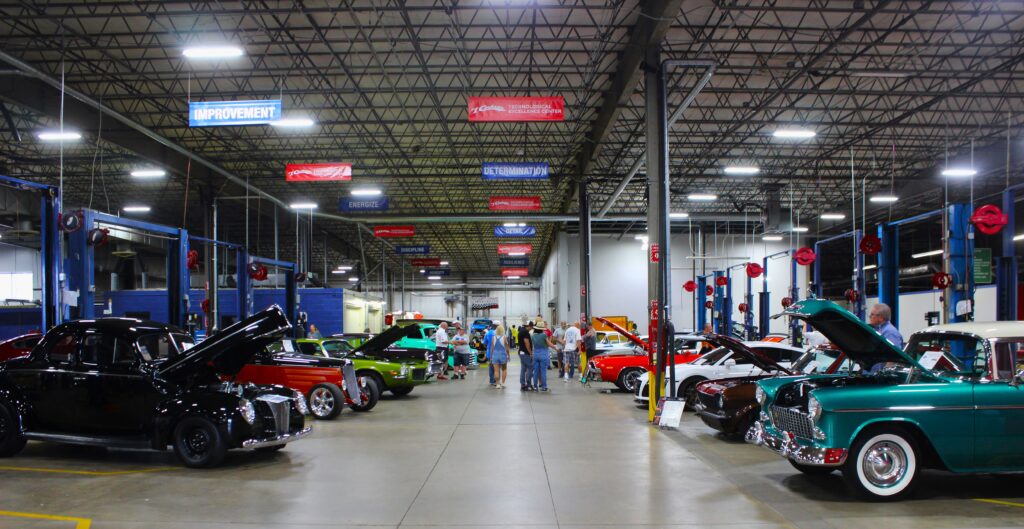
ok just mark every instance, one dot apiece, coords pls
pixel 526 358
pixel 542 347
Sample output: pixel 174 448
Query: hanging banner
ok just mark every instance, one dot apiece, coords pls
pixel 318 172
pixel 516 170
pixel 484 303
pixel 514 261
pixel 521 272
pixel 228 113
pixel 363 204
pixel 443 272
pixel 514 204
pixel 426 261
pixel 419 249
pixel 505 249
pixel 394 231
pixel 543 108
pixel 514 231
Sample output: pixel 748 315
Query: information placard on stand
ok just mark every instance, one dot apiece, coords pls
pixel 671 413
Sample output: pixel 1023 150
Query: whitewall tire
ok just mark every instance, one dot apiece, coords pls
pixel 883 466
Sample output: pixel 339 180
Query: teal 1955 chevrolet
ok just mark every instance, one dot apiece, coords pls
pixel 952 400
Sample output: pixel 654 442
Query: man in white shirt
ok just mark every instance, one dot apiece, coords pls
pixel 570 350
pixel 441 348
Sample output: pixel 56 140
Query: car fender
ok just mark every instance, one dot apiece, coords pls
pixel 11 395
pixel 218 407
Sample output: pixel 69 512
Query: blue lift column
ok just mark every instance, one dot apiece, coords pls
pixel 764 302
pixel 702 297
pixel 1006 267
pixel 889 268
pixel 727 299
pixel 961 262
pixel 49 251
pixel 290 304
pixel 719 305
pixel 748 316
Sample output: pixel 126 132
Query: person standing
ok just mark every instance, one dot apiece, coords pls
pixel 314 333
pixel 499 356
pixel 559 336
pixel 589 344
pixel 488 339
pixel 525 358
pixel 542 346
pixel 878 317
pixel 571 350
pixel 441 348
pixel 462 352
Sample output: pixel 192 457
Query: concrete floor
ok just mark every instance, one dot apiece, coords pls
pixel 459 453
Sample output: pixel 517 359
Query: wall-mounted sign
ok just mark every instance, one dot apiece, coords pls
pixel 520 272
pixel 444 272
pixel 426 261
pixel 363 204
pixel 505 249
pixel 516 170
pixel 544 108
pixel 318 172
pixel 514 231
pixel 983 266
pixel 227 113
pixel 394 231
pixel 417 249
pixel 514 261
pixel 514 204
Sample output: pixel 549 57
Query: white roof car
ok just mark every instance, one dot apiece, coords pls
pixel 983 329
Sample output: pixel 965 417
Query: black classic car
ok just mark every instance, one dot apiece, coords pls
pixel 129 383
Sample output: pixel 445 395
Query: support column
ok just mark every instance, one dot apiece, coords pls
pixel 49 256
pixel 1006 268
pixel 657 215
pixel 764 316
pixel 700 310
pixel 960 262
pixel 584 200
pixel 719 305
pixel 889 268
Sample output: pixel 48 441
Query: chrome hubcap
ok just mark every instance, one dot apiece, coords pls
pixel 630 380
pixel 884 464
pixel 321 402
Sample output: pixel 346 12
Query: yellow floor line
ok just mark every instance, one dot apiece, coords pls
pixel 80 523
pixel 1000 502
pixel 85 472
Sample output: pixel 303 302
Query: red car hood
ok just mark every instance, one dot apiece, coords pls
pixel 632 337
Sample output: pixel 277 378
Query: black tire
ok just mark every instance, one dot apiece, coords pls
pixel 688 392
pixel 628 378
pixel 401 391
pixel 373 390
pixel 11 440
pixel 325 401
pixel 198 443
pixel 896 463
pixel 811 470
pixel 271 449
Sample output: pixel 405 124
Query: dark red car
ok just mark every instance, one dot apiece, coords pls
pixel 19 346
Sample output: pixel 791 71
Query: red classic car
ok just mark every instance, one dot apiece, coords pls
pixel 623 369
pixel 19 346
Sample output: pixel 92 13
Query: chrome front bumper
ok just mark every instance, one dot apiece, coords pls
pixel 279 440
pixel 594 374
pixel 786 446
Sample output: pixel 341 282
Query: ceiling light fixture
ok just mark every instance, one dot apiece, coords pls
pixel 884 199
pixel 833 216
pixel 800 229
pixel 59 135
pixel 514 277
pixel 149 173
pixel 344 267
pixel 744 170
pixel 423 271
pixel 366 192
pixel 136 209
pixel 433 278
pixel 1019 237
pixel 702 197
pixel 641 237
pixel 510 224
pixel 293 123
pixel 304 205
pixel 794 134
pixel 339 271
pixel 678 215
pixel 517 254
pixel 520 224
pixel 959 172
pixel 444 263
pixel 771 238
pixel 353 279
pixel 926 254
pixel 213 52
pixel 869 267
pixel 436 284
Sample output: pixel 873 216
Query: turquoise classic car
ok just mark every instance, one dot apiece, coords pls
pixel 951 400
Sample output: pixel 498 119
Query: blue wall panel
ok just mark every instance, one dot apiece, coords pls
pixel 18 321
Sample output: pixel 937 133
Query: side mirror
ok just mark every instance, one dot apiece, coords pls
pixel 730 363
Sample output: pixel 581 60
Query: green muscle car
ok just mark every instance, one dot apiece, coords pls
pixel 952 400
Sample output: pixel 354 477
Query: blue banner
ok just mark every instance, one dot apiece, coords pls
pixel 515 170
pixel 513 262
pixel 363 204
pixel 443 272
pixel 223 113
pixel 419 249
pixel 514 231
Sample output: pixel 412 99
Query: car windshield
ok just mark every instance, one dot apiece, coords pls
pixel 947 352
pixel 713 357
pixel 336 348
pixel 160 346
pixel 816 361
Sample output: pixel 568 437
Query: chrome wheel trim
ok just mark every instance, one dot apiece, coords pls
pixel 321 402
pixel 884 464
pixel 630 379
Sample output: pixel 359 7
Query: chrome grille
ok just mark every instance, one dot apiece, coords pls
pixel 351 382
pixel 419 374
pixel 280 409
pixel 792 421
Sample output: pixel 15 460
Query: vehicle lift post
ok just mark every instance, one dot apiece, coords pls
pixel 52 310
pixel 290 301
pixel 1006 266
pixel 213 292
pixel 889 262
pixel 960 263
pixel 764 314
pixel 702 297
pixel 719 305
pixel 858 275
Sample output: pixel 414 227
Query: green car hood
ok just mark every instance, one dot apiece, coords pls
pixel 857 339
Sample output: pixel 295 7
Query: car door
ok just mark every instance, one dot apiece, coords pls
pixel 58 396
pixel 736 366
pixel 120 399
pixel 999 410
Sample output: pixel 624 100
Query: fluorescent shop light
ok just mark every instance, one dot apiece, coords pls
pixel 794 134
pixel 926 254
pixel 353 279
pixel 885 199
pixel 959 172
pixel 339 271
pixel 641 237
pixel 701 197
pixel 436 284
pixel 366 192
pixel 800 229
pixel 869 267
pixel 304 205
pixel 517 254
pixel 56 135
pixel 514 277
pixel 678 215
pixel 213 52
pixel 510 224
pixel 832 216
pixel 422 271
pixel 149 173
pixel 433 278
pixel 743 170
pixel 444 263
pixel 344 267
pixel 771 238
pixel 521 224
pixel 135 209
pixel 293 123
pixel 1019 237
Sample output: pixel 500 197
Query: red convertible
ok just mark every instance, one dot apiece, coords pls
pixel 623 369
pixel 19 346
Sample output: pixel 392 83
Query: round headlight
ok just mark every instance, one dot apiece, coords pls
pixel 247 410
pixel 300 402
pixel 760 395
pixel 404 371
pixel 813 407
pixel 721 401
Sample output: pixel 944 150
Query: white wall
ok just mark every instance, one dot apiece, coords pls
pixel 15 259
pixel 913 307
pixel 512 304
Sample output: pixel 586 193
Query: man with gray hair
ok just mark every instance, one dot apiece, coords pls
pixel 878 317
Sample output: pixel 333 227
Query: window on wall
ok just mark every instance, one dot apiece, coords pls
pixel 16 285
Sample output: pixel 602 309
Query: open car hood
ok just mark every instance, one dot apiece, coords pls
pixel 391 335
pixel 858 340
pixel 630 336
pixel 226 352
pixel 737 347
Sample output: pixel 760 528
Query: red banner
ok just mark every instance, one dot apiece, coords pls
pixel 318 172
pixel 394 231
pixel 426 261
pixel 506 249
pixel 514 203
pixel 508 272
pixel 516 108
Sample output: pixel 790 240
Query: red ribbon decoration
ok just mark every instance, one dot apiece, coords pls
pixel 941 280
pixel 754 270
pixel 851 295
pixel 721 281
pixel 690 286
pixel 743 307
pixel 709 304
pixel 786 302
pixel 193 260
pixel 989 219
pixel 805 256
pixel 205 305
pixel 709 290
pixel 870 244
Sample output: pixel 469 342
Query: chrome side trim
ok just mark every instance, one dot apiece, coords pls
pixel 914 408
pixel 279 440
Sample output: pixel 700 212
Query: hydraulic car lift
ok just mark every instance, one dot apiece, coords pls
pixel 858 264
pixel 49 249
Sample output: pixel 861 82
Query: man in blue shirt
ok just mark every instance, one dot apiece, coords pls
pixel 878 317
pixel 488 338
